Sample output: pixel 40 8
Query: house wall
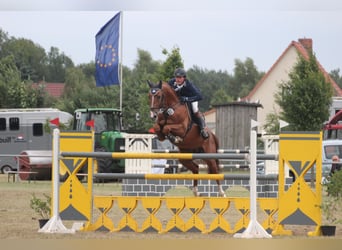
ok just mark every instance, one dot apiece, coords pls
pixel 210 120
pixel 265 92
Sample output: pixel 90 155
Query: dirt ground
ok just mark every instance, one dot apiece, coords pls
pixel 18 220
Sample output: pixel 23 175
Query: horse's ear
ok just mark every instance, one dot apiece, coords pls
pixel 160 84
pixel 149 83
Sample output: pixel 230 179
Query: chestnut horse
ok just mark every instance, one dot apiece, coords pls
pixel 173 121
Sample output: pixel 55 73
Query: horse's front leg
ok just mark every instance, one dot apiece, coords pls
pixel 194 168
pixel 168 132
pixel 173 132
pixel 158 132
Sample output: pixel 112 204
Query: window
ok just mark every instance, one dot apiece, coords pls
pixel 2 124
pixel 37 129
pixel 14 123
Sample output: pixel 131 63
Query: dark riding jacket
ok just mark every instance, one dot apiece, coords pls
pixel 188 92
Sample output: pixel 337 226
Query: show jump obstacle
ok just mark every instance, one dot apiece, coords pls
pixel 296 204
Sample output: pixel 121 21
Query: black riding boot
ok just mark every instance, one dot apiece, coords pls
pixel 199 119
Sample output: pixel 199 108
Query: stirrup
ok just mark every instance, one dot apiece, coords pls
pixel 204 134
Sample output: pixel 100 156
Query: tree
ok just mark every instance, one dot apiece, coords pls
pixel 220 97
pixel 135 91
pixel 29 58
pixel 209 81
pixel 173 61
pixel 305 99
pixel 335 74
pixel 56 65
pixel 9 75
pixel 245 77
pixel 272 125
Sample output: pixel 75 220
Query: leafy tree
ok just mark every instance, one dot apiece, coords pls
pixel 272 125
pixel 305 99
pixel 245 77
pixel 29 58
pixel 3 39
pixel 135 90
pixel 9 75
pixel 209 81
pixel 56 65
pixel 173 61
pixel 220 97
pixel 335 74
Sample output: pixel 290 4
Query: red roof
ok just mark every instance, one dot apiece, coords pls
pixel 53 89
pixel 302 47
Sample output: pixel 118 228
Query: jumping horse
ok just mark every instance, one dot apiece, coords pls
pixel 173 121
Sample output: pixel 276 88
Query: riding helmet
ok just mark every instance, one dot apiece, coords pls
pixel 180 72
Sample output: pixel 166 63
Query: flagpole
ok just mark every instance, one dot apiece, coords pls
pixel 120 63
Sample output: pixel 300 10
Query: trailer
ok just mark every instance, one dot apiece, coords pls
pixel 27 129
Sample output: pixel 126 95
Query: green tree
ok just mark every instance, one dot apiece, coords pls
pixel 173 61
pixel 209 81
pixel 272 125
pixel 3 39
pixel 9 76
pixel 29 58
pixel 135 92
pixel 245 77
pixel 335 74
pixel 305 99
pixel 56 65
pixel 220 97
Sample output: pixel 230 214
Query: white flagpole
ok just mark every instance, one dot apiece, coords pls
pixel 120 62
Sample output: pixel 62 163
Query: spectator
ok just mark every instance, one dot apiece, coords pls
pixel 336 165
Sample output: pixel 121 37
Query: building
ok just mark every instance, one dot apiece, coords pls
pixel 54 89
pixel 265 89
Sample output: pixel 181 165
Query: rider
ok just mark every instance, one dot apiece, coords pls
pixel 189 93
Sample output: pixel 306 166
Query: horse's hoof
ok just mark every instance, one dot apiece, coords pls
pixel 223 195
pixel 172 138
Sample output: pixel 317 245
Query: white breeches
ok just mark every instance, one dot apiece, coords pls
pixel 194 106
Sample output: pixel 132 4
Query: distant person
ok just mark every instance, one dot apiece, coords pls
pixel 336 165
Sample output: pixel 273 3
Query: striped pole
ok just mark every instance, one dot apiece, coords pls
pixel 180 176
pixel 184 156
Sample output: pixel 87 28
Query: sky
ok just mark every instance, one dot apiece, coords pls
pixel 210 34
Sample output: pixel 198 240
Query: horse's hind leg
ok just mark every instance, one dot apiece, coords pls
pixel 220 189
pixel 193 167
pixel 213 168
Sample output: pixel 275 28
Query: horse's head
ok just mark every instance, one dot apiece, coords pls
pixel 161 97
pixel 156 98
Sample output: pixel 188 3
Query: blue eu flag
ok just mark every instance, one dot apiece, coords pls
pixel 107 53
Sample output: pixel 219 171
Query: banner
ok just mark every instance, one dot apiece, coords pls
pixel 107 53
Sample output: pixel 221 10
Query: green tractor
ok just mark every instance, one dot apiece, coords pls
pixel 107 124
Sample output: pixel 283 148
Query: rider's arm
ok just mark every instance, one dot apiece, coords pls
pixel 191 92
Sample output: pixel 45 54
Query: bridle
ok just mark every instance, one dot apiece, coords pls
pixel 161 107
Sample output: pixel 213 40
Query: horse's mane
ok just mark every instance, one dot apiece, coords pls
pixel 167 89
